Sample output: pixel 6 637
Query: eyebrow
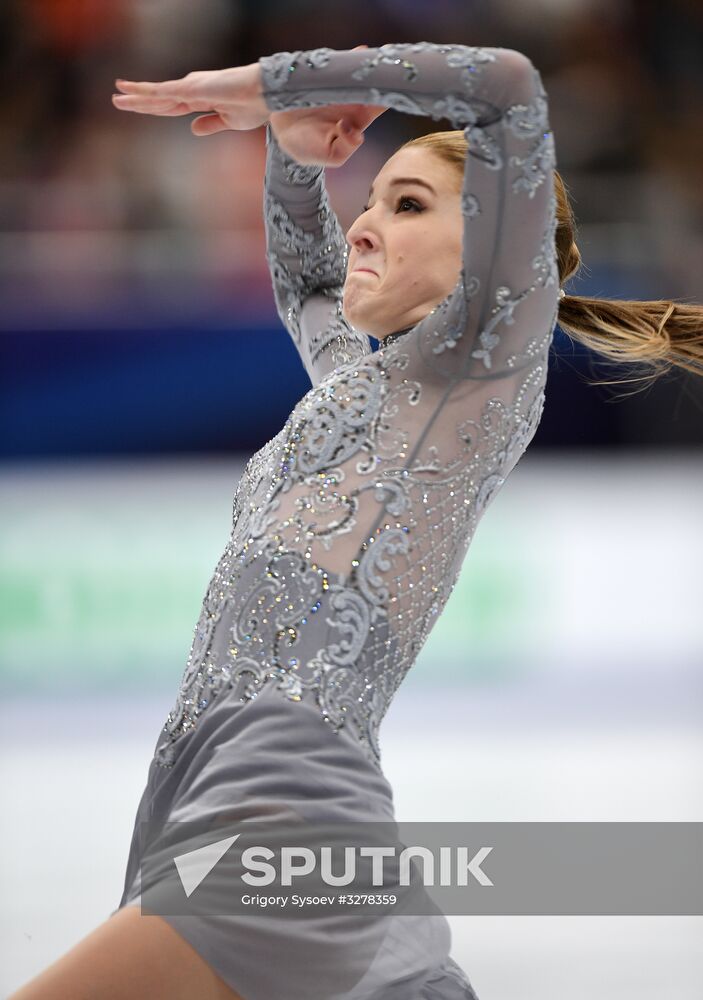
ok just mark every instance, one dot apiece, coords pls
pixel 406 180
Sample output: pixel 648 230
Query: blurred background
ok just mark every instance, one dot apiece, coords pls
pixel 142 362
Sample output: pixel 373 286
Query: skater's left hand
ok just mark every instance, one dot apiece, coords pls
pixel 229 98
pixel 325 136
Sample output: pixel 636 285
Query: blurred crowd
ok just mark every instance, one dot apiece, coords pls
pixel 94 195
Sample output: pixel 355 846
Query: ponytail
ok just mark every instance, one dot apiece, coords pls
pixel 660 335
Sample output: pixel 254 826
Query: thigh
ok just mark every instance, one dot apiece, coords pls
pixel 129 956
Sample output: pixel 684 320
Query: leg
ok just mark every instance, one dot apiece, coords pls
pixel 129 956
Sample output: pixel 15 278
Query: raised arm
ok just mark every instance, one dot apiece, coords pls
pixel 502 312
pixel 307 256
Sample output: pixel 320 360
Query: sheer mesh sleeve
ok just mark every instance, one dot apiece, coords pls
pixel 307 257
pixel 392 460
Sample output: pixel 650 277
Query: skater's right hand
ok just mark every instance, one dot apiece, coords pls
pixel 325 136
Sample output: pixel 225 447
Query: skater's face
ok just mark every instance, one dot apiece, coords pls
pixel 409 237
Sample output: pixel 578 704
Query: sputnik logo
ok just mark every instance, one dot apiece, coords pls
pixel 196 865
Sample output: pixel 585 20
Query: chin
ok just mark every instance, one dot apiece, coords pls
pixel 355 318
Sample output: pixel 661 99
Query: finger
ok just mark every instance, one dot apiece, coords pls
pixel 361 115
pixel 207 125
pixel 361 120
pixel 343 145
pixel 150 105
pixel 350 132
pixel 145 89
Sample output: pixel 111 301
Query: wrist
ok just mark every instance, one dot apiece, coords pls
pixel 296 171
pixel 255 91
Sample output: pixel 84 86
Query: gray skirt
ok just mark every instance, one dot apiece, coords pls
pixel 272 759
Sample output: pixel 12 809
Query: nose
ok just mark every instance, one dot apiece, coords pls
pixel 361 235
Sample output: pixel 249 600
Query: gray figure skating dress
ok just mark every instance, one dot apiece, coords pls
pixel 350 526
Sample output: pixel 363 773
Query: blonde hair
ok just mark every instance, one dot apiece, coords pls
pixel 660 335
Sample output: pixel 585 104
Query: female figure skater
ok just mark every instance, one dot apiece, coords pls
pixel 350 526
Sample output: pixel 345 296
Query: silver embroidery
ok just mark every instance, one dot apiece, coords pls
pixel 393 54
pixel 527 121
pixel 484 147
pixel 470 207
pixel 534 166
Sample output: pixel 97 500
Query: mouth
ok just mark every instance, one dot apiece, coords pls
pixel 363 270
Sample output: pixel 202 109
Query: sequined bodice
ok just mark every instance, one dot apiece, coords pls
pixel 350 526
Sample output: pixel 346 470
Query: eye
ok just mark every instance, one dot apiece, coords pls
pixel 417 207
